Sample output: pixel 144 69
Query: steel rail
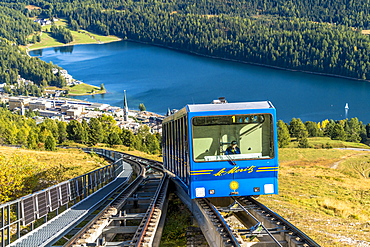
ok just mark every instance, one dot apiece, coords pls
pixel 289 226
pixel 252 216
pixel 225 230
pixel 153 210
pixel 228 229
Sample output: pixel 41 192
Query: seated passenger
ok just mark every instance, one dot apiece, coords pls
pixel 233 149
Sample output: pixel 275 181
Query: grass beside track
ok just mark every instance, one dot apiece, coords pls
pixel 25 171
pixel 323 193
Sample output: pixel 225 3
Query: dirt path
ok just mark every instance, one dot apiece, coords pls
pixel 336 164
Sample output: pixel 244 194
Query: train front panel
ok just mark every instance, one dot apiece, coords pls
pixel 232 153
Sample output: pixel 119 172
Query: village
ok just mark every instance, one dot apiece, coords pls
pixel 67 109
pixel 52 105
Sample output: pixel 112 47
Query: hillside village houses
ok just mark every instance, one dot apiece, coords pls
pixel 44 22
pixel 69 79
pixel 68 109
pixel 20 81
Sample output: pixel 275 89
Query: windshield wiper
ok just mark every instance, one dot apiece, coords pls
pixel 230 160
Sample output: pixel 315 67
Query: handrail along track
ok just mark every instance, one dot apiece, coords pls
pixel 145 233
pixel 59 230
pixel 111 208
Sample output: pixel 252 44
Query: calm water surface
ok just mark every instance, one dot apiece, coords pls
pixel 163 79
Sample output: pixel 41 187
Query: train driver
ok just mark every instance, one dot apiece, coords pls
pixel 233 148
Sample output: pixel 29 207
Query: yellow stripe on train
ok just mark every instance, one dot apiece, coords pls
pixel 202 171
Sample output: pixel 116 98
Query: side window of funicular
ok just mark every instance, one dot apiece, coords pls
pixel 213 135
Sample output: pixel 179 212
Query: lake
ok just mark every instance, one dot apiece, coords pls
pixel 162 79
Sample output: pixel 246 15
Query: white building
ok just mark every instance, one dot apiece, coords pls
pixel 40 104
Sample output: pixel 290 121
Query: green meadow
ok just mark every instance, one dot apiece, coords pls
pixel 79 37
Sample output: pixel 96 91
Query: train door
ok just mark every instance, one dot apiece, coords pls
pixel 186 150
pixel 180 160
pixel 165 145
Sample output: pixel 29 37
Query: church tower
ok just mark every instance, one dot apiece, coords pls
pixel 125 106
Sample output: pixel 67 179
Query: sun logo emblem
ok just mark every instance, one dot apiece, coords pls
pixel 234 185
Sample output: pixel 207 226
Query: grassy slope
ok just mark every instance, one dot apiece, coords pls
pixel 321 193
pixel 36 170
pixel 79 37
pixel 76 161
pixel 80 89
pixel 84 89
pixel 320 142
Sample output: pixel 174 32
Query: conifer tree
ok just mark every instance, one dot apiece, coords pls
pixel 95 131
pixel 50 143
pixel 297 129
pixel 113 139
pixel 283 134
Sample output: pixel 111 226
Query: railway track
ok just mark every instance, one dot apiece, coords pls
pixel 234 221
pixel 130 216
pixel 280 226
pixel 243 221
pixel 131 213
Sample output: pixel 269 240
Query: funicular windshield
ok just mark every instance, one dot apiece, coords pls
pixel 235 137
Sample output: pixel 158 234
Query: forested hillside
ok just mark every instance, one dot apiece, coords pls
pixel 15 29
pixel 315 36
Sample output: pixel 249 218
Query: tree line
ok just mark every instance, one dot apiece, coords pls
pixel 301 35
pixel 350 130
pixel 61 34
pixel 22 130
pixel 274 39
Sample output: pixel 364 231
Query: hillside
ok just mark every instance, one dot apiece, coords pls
pixel 25 171
pixel 79 37
pixel 318 188
pixel 325 192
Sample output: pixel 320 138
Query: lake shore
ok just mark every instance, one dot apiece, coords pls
pixel 81 37
pixel 244 62
pixel 72 43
